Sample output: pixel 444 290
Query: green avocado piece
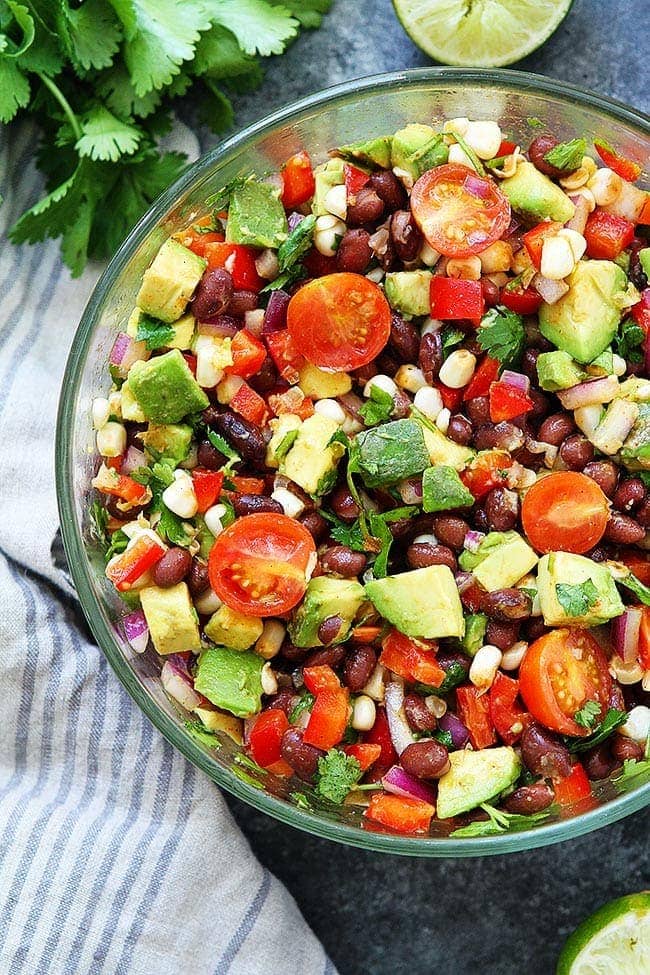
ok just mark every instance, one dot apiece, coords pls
pixel 476 777
pixel 165 388
pixel 576 591
pixel 391 452
pixel 171 618
pixel 644 257
pixel 475 627
pixel 327 175
pixel 418 148
pixel 441 449
pixel 256 216
pixel 557 370
pixel 585 320
pixel 171 440
pixel 635 452
pixel 532 194
pixel 325 597
pixel 422 603
pixel 231 679
pixel 374 152
pixel 170 281
pixel 603 364
pixel 312 458
pixel 501 561
pixel 408 291
pixel 442 490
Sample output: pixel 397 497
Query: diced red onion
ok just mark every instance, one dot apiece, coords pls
pixel 176 680
pixel 463 581
pixel 410 491
pixel 459 733
pixel 473 540
pixel 400 731
pixel 266 264
pixel 136 630
pixel 294 219
pixel 351 403
pixel 578 221
pixel 275 317
pixel 254 321
pixel 516 379
pixel 508 436
pixel 133 459
pixel 592 392
pixel 400 783
pixel 539 447
pixel 125 352
pixel 476 186
pixel 379 241
pixel 551 291
pixel 625 633
pixel 219 326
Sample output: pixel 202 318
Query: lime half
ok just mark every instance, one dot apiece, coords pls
pixel 613 941
pixel 480 33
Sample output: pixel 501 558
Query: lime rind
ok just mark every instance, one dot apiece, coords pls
pixel 616 939
pixel 480 33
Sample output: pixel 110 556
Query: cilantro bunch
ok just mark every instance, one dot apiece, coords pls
pixel 99 78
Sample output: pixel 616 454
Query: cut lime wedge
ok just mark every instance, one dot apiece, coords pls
pixel 480 33
pixel 613 941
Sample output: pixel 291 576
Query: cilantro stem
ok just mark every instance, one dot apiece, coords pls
pixel 64 103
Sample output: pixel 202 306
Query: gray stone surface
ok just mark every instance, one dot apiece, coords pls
pixel 499 916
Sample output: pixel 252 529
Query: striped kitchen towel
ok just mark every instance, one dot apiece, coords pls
pixel 116 855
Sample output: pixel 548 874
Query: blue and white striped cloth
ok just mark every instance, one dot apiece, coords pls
pixel 116 855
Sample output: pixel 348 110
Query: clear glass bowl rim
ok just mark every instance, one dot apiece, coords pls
pixel 520 82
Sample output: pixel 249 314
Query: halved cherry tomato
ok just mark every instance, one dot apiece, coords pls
pixel 488 470
pixel 266 736
pixel 560 672
pixel 474 712
pixel 320 678
pixel 258 564
pixel 328 718
pixel 340 321
pixel 285 355
pixel 239 260
pixel 248 355
pixel 565 511
pixel 607 235
pixel 508 401
pixel 525 301
pixel 459 212
pixel 454 298
pixel 127 568
pixel 484 376
pixel 506 717
pixel 533 240
pixel 573 788
pixel 644 638
pixel 412 659
pixel 625 168
pixel 399 813
pixel 298 181
pixel 354 180
pixel 366 755
pixel 207 487
pixel 249 404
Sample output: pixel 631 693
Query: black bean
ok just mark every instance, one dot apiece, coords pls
pixel 354 252
pixel 420 555
pixel 404 338
pixel 245 437
pixel 255 504
pixel 430 356
pixel 604 473
pixel 327 656
pixel 556 428
pixel 315 524
pixel 365 207
pixel 543 754
pixel 426 759
pixel 343 504
pixel 629 494
pixel 389 189
pixel 450 530
pixel 418 715
pixel 198 580
pixel 213 294
pixel 502 633
pixel 577 452
pixel 359 666
pixel 528 799
pixel 460 430
pixel 623 530
pixel 208 456
pixel 302 758
pixel 172 567
pixel 502 509
pixel 342 561
pixel 406 237
pixel 478 409
pixel 507 604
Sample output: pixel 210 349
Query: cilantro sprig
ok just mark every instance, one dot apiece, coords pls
pixel 567 155
pixel 501 335
pixel 577 599
pixel 600 730
pixel 337 774
pixel 500 822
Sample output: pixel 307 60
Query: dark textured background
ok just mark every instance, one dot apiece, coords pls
pixel 499 916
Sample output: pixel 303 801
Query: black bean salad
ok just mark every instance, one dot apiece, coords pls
pixel 375 467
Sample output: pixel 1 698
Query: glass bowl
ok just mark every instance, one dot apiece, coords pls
pixel 346 113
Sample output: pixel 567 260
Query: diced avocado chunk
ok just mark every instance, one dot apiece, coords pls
pixel 171 618
pixel 325 597
pixel 585 320
pixel 373 152
pixel 408 291
pixel 311 461
pixel 391 452
pixel 475 627
pixel 129 405
pixel 285 430
pixel 442 450
pixel 603 364
pixel 256 216
pixel 171 440
pixel 423 602
pixel 635 452
pixel 170 281
pixel 501 561
pixel 576 591
pixel 476 777
pixel 231 679
pixel 644 258
pixel 534 195
pixel 183 332
pixel 557 370
pixel 165 388
pixel 320 384
pixel 442 490
pixel 417 148
pixel 327 175
pixel 218 721
pixel 232 629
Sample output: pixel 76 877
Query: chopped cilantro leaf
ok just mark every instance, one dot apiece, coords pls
pixel 450 337
pixel 119 541
pixel 297 244
pixel 154 333
pixel 640 590
pixel 500 822
pixel 337 773
pixel 612 720
pixel 588 714
pixel 576 600
pixel 378 408
pixel 471 155
pixel 629 343
pixel 304 704
pixel 98 521
pixel 567 155
pixel 632 774
pixel 444 737
pixel 223 447
pixel 501 335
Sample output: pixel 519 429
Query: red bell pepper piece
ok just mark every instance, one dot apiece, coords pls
pixel 328 718
pixel 452 398
pixel 412 659
pixel 488 470
pixel 525 301
pixel 644 637
pixel 239 260
pixel 401 814
pixel 291 401
pixel 454 298
pixel 607 235
pixel 573 787
pixel 247 485
pixel 250 405
pixel 366 755
pixel 207 487
pixel 507 401
pixel 298 183
pixel 474 712
pixel 127 568
pixel 114 463
pixel 320 678
pixel 625 168
pixel 197 235
pixel 110 481
pixel 506 717
pixel 641 311
pixel 506 148
pixel 486 373
pixel 248 355
pixel 286 357
pixel 266 736
pixel 354 180
pixel 533 240
pixel 379 734
pixel 191 361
